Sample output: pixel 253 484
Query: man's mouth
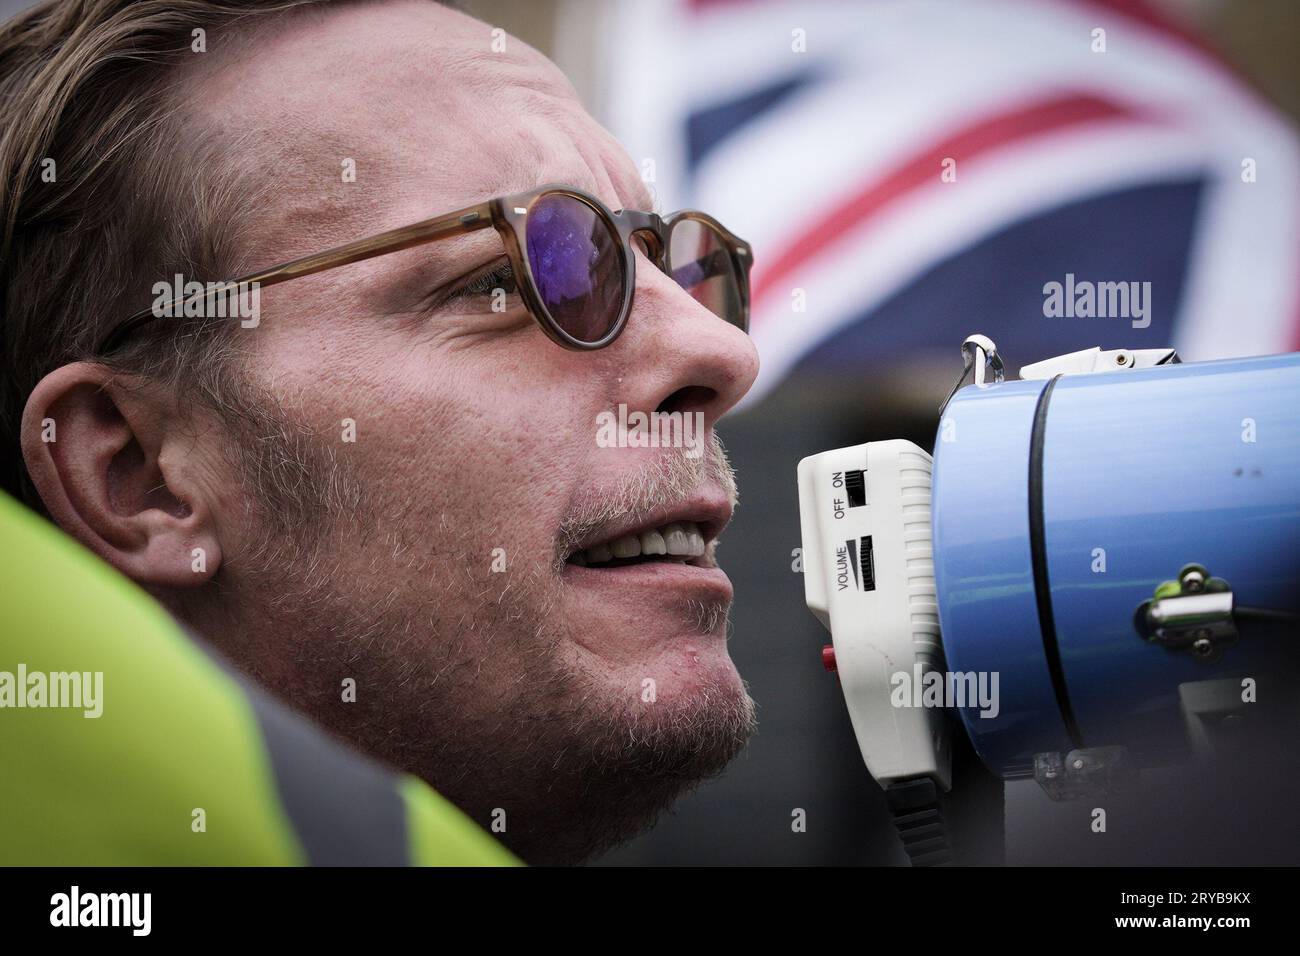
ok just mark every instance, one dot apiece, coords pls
pixel 683 535
pixel 669 549
pixel 681 542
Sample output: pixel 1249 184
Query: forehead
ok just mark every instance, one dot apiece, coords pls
pixel 428 107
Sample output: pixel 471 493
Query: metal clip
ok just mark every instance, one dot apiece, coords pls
pixel 1193 614
pixel 978 352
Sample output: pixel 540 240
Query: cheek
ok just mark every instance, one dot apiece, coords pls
pixel 486 441
pixel 471 449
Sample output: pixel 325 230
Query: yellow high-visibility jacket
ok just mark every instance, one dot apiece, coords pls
pixel 123 742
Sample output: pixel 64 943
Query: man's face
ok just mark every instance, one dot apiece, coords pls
pixel 578 700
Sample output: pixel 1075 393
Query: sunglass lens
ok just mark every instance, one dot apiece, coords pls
pixel 576 264
pixel 701 263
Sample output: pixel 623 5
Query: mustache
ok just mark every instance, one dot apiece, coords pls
pixel 666 482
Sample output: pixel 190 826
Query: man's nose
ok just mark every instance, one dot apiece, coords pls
pixel 678 356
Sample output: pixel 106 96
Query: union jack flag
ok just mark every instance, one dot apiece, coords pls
pixel 909 171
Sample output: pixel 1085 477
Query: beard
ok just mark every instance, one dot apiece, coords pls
pixel 460 676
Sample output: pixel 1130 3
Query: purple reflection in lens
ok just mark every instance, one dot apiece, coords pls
pixel 575 266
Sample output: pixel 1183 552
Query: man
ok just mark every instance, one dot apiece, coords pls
pixel 383 492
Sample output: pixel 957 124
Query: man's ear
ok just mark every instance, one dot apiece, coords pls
pixel 111 463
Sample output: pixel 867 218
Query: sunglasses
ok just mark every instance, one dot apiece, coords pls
pixel 574 262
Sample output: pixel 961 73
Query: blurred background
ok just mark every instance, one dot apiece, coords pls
pixel 1116 140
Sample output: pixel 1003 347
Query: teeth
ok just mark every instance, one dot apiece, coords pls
pixel 678 539
pixel 627 547
pixel 652 542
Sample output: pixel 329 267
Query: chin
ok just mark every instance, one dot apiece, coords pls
pixel 641 758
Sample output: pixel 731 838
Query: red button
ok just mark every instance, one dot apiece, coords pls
pixel 828 657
